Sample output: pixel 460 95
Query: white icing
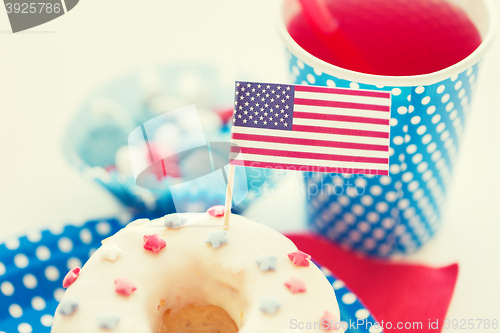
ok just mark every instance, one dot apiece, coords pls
pixel 190 271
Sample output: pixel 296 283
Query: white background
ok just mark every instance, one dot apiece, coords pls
pixel 46 72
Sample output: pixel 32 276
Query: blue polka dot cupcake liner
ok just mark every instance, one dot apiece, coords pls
pixel 96 140
pixel 32 269
pixel 395 214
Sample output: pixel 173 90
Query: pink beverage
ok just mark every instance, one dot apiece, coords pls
pixel 389 37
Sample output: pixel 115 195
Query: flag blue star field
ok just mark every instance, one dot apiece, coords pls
pixel 311 128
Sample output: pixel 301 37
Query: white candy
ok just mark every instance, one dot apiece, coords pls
pixel 122 161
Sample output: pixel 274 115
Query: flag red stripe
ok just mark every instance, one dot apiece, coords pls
pixel 313 168
pixel 340 131
pixel 346 105
pixel 336 117
pixel 309 142
pixel 315 156
pixel 343 91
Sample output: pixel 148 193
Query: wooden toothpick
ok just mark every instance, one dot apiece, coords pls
pixel 229 196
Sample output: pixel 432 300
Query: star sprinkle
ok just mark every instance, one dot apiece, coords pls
pixel 299 258
pixel 124 286
pixel 108 320
pixel 216 211
pixel 296 285
pixel 269 305
pixel 266 262
pixel 154 243
pixel 68 306
pixel 111 252
pixel 332 321
pixel 71 277
pixel 217 238
pixel 174 221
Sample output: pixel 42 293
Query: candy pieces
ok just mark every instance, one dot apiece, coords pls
pixel 296 285
pixel 174 221
pixel 108 320
pixel 111 252
pixel 68 306
pixel 124 286
pixel 225 114
pixel 71 277
pixel 216 211
pixel 299 258
pixel 269 304
pixel 154 243
pixel 333 322
pixel 217 238
pixel 266 262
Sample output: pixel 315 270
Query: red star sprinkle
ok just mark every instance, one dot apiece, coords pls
pixel 124 286
pixel 225 114
pixel 296 285
pixel 331 320
pixel 71 277
pixel 299 258
pixel 216 211
pixel 154 243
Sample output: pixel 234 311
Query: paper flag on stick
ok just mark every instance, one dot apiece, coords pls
pixel 307 128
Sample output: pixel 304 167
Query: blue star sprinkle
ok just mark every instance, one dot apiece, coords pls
pixel 68 306
pixel 108 320
pixel 266 262
pixel 174 221
pixel 217 238
pixel 269 305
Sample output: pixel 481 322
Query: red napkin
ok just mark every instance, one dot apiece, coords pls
pixel 395 293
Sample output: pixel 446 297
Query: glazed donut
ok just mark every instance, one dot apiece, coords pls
pixel 156 277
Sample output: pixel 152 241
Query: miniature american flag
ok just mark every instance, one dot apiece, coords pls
pixel 311 128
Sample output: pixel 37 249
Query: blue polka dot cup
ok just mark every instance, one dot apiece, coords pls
pixel 395 214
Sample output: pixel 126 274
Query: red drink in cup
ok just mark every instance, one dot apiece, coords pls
pixel 386 37
pixel 426 54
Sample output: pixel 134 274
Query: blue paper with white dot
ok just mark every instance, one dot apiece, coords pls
pixel 387 215
pixel 32 269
